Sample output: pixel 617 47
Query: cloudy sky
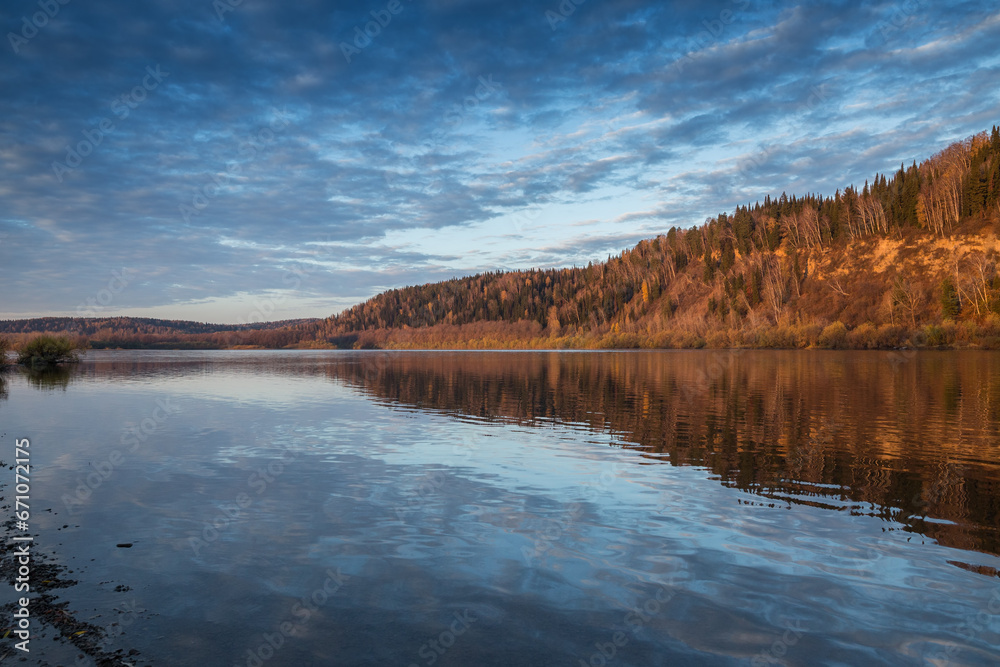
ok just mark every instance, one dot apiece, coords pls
pixel 217 160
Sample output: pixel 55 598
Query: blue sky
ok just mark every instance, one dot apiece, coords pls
pixel 228 160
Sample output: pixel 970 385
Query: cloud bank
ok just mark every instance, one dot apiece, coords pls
pixel 212 149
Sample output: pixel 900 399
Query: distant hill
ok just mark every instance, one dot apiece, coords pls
pixel 133 325
pixel 133 332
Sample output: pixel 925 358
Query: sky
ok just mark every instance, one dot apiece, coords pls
pixel 243 160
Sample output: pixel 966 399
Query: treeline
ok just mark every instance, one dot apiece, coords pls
pixel 151 333
pixel 93 325
pixel 905 252
pixel 131 326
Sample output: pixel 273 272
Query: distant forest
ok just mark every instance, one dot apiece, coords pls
pixel 909 259
pixel 144 332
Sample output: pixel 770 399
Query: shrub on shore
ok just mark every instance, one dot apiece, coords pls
pixel 47 351
pixel 834 336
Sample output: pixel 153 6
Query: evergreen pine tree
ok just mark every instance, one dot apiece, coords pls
pixel 951 307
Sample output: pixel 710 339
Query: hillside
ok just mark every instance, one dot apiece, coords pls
pixel 909 259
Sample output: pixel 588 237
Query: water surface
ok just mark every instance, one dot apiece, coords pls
pixel 522 508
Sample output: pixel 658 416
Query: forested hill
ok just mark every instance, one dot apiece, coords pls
pixel 906 251
pixel 150 332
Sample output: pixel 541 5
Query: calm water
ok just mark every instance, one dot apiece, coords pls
pixel 626 508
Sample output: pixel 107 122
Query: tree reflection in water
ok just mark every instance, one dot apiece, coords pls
pixel 916 442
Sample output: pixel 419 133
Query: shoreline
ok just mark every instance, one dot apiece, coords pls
pixel 51 623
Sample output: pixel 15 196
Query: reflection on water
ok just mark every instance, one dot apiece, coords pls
pixel 49 378
pixel 292 508
pixel 914 440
